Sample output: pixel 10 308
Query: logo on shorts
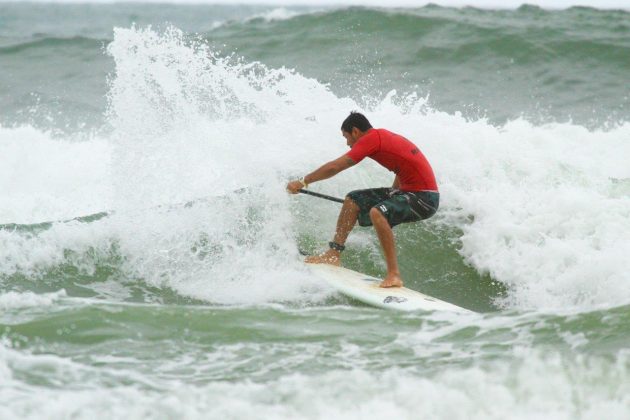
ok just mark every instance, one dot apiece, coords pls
pixel 394 299
pixel 383 208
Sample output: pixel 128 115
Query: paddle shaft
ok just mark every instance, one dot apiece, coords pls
pixel 100 215
pixel 324 196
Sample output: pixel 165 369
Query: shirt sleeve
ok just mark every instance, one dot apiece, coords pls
pixel 364 147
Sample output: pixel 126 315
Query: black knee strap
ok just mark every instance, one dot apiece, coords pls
pixel 336 246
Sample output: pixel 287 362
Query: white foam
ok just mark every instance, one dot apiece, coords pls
pixel 279 14
pixel 531 384
pixel 82 245
pixel 547 218
pixel 189 124
pixel 19 300
pixel 43 178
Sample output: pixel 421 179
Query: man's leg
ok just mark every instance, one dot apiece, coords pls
pixel 386 237
pixel 345 223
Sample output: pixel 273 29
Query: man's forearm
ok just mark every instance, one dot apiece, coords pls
pixel 325 171
pixel 329 169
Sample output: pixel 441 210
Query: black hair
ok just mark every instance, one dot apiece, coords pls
pixel 355 119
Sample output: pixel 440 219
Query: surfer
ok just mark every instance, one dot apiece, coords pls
pixel 413 196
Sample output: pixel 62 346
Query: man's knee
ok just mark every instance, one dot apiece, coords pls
pixel 351 203
pixel 375 214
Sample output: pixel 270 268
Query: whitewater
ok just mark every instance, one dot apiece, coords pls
pixel 189 125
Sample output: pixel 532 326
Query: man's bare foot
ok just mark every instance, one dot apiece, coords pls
pixel 332 257
pixel 392 280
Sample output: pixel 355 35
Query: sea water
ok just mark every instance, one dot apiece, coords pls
pixel 149 262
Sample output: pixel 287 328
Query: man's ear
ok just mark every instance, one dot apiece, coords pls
pixel 355 133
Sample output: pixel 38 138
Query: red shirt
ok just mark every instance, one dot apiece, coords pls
pixel 397 154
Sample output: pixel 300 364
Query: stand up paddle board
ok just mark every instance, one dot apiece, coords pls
pixel 365 288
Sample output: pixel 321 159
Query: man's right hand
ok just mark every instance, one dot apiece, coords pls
pixel 294 187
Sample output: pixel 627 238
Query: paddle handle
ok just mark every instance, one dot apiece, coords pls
pixel 324 196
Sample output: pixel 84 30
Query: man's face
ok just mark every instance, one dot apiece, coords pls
pixel 351 137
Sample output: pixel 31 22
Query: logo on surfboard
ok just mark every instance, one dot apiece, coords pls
pixel 394 299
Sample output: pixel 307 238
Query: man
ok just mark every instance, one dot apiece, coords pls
pixel 413 196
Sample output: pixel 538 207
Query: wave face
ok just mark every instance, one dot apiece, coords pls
pixel 148 245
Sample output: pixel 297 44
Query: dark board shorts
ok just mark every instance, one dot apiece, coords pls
pixel 397 206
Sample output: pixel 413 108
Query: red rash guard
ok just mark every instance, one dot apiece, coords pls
pixel 397 154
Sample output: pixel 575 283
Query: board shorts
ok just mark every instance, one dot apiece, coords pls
pixel 397 206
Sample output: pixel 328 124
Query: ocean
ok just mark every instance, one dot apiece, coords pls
pixel 149 253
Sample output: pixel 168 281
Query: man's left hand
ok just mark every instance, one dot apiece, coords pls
pixel 293 187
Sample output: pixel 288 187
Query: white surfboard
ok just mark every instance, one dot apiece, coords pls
pixel 365 289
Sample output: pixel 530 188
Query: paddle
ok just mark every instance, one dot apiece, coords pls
pixel 324 196
pixel 97 216
pixel 41 226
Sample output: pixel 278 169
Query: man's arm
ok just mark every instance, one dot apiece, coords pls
pixel 325 171
pixel 396 183
pixel 330 169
